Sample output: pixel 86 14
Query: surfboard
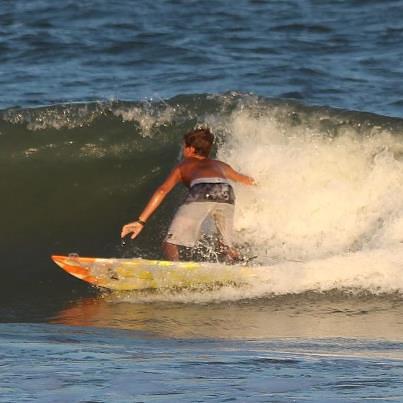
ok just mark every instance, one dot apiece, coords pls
pixel 140 274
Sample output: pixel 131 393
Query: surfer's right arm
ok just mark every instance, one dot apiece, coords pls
pixel 136 227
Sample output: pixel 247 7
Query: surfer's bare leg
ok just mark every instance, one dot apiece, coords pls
pixel 171 251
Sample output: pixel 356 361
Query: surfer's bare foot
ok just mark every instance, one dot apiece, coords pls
pixel 232 255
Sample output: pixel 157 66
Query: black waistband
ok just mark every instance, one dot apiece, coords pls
pixel 211 192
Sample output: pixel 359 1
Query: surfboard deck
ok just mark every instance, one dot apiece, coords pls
pixel 140 274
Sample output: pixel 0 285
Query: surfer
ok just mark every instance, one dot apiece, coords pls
pixel 210 195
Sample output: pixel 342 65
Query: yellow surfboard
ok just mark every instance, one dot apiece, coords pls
pixel 140 274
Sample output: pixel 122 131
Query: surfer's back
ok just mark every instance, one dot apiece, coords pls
pixel 194 168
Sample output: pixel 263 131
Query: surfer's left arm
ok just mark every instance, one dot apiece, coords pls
pixel 236 176
pixel 159 195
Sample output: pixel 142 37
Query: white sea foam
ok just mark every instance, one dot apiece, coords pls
pixel 147 116
pixel 316 196
pixel 335 204
pixel 327 211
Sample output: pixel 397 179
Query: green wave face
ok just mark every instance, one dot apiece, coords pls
pixel 330 182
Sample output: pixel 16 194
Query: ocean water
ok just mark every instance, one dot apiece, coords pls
pixel 305 96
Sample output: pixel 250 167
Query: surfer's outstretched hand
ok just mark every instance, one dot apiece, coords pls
pixel 134 227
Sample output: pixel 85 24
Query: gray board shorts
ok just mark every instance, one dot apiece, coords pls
pixel 211 198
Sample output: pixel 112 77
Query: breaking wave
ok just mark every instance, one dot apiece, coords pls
pixel 327 212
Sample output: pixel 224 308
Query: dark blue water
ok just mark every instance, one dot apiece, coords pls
pixel 306 96
pixel 345 54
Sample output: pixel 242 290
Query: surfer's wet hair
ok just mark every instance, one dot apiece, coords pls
pixel 201 139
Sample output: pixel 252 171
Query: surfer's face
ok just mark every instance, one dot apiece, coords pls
pixel 187 151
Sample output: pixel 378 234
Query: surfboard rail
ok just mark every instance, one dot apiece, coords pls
pixel 139 274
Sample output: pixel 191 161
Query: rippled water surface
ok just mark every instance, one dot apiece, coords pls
pixel 306 96
pixel 337 53
pixel 81 364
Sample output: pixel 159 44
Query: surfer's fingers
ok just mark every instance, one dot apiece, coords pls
pixel 127 229
pixel 136 231
pixel 134 228
pixel 124 232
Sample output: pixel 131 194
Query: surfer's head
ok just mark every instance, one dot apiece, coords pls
pixel 201 140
